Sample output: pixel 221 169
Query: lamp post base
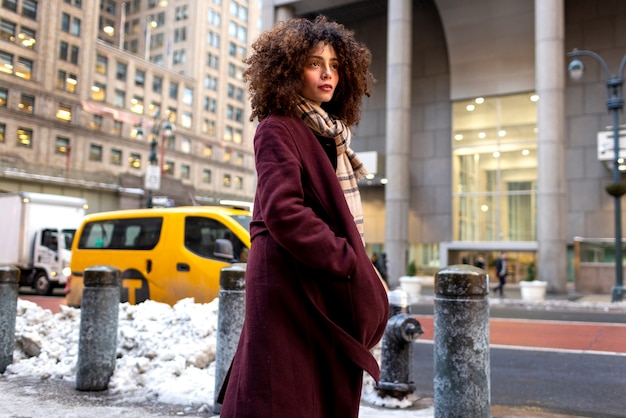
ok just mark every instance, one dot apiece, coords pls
pixel 618 293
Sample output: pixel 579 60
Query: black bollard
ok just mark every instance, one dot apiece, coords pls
pixel 230 316
pixel 461 344
pixel 9 286
pixel 99 318
pixel 401 330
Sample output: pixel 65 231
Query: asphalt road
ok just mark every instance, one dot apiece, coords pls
pixel 573 383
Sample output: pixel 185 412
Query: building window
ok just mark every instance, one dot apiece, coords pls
pixel 213 39
pixel 27 103
pixel 134 161
pixel 26 38
pixel 4 96
pixel 185 172
pixel 116 157
pixel 188 96
pixel 170 142
pixel 29 9
pixel 180 34
pixel 238 182
pixel 95 152
pixel 75 28
pixel 226 181
pixel 10 5
pixel 180 56
pixel 186 120
pixel 495 168
pixel 65 22
pixel 119 99
pixel 212 61
pixel 237 136
pixel 208 127
pixel 136 105
pixel 228 156
pixel 206 176
pixel 140 77
pixel 96 122
pixel 154 109
pixel 181 13
pixel 6 62
pixel 185 145
pixel 62 145
pixel 98 92
pixel 66 81
pixel 3 131
pixel 157 84
pixel 64 112
pixel 208 151
pixel 64 48
pixel 102 64
pixel 168 168
pixel 8 30
pixel 74 54
pixel 117 127
pixel 120 72
pixel 24 68
pixel 24 137
pixel 174 91
pixel 239 159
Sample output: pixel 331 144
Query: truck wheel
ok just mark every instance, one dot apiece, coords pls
pixel 41 284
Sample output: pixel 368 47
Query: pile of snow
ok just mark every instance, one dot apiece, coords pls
pixel 164 353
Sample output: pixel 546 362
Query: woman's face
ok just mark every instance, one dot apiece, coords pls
pixel 321 74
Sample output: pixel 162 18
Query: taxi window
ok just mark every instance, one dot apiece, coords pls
pixel 121 234
pixel 201 235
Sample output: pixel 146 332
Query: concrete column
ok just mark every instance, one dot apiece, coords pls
pixel 283 13
pixel 97 339
pixel 398 136
pixel 230 316
pixel 551 182
pixel 461 346
pixel 9 286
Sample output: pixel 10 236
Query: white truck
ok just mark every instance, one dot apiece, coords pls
pixel 37 234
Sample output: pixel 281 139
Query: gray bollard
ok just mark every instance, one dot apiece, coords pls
pixel 461 343
pixel 401 330
pixel 9 286
pixel 230 316
pixel 99 318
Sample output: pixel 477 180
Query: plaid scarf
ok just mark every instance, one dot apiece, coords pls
pixel 349 166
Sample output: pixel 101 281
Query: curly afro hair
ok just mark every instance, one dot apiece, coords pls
pixel 274 72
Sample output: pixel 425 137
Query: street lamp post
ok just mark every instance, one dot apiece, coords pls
pixel 162 130
pixel 614 103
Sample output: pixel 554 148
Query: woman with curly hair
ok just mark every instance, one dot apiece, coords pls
pixel 315 305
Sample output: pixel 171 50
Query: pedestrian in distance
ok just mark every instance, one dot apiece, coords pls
pixel 501 273
pixel 315 305
pixel 480 262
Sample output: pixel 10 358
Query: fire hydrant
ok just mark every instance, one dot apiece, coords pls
pixel 402 329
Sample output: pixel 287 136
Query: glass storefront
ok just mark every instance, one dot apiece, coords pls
pixel 495 168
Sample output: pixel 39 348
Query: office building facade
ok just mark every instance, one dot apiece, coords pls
pixel 480 141
pixel 96 95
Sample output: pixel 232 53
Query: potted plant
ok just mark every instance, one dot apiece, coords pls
pixel 531 288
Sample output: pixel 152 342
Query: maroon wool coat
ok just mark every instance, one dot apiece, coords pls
pixel 314 303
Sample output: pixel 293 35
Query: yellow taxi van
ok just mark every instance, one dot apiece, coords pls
pixel 163 254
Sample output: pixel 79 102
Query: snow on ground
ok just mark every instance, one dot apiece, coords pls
pixel 164 354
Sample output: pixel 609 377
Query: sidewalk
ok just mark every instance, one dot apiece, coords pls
pixel 59 399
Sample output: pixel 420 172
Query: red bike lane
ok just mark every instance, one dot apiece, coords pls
pixel 565 335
